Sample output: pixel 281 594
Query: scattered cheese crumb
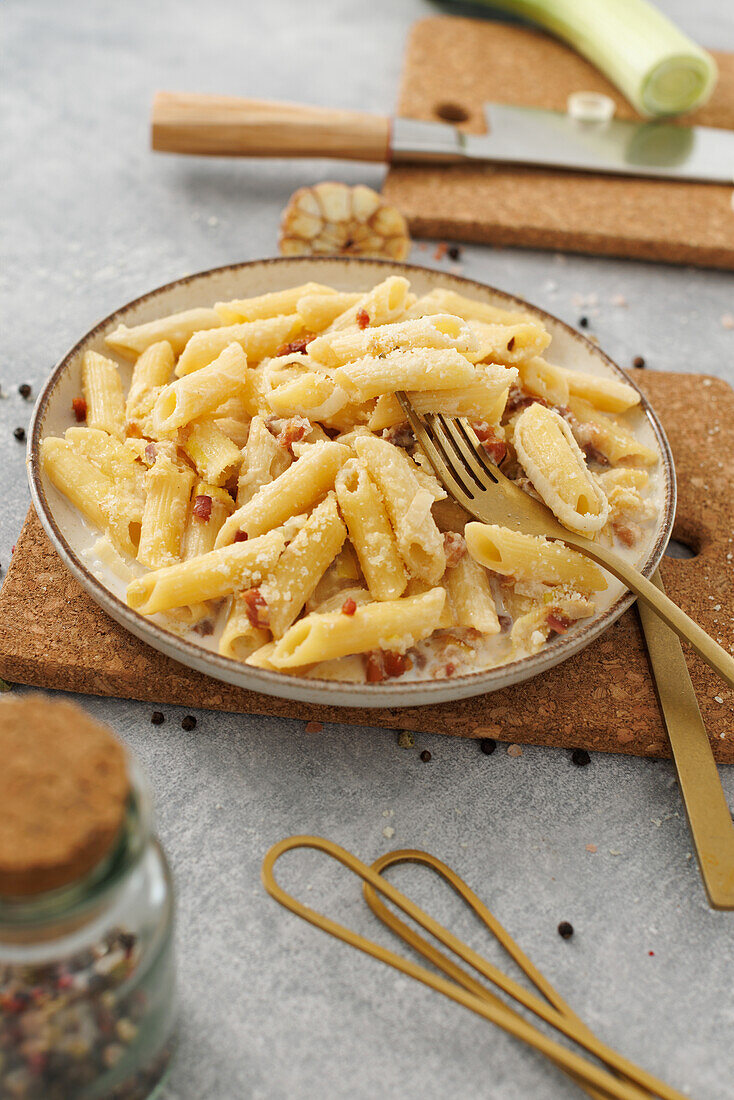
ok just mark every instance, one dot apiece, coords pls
pixel 388 832
pixel 718 699
pixel 212 221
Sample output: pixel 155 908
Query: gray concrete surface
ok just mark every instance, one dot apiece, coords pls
pixel 270 1008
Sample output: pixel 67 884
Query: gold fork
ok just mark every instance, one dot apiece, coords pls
pixel 480 487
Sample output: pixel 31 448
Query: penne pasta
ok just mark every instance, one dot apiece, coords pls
pixel 544 380
pixel 442 300
pixel 408 505
pixel 441 331
pixel 177 330
pixel 382 305
pixel 240 637
pixel 370 531
pixel 608 394
pixel 483 399
pixel 218 573
pixel 263 460
pixel 302 565
pixel 192 397
pixel 555 464
pixel 470 594
pixel 610 436
pixel 208 508
pixel 216 458
pixel 415 369
pixel 153 369
pixel 393 625
pixel 317 311
pixel 297 490
pixel 102 389
pixel 276 303
pixel 528 558
pixel 508 344
pixel 168 488
pixel 257 339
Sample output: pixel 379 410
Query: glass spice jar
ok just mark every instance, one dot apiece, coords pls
pixel 86 967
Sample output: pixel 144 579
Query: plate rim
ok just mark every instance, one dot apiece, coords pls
pixel 395 694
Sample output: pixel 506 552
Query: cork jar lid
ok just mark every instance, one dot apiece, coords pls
pixel 63 793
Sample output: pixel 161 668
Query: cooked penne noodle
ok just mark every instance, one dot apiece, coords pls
pixel 370 531
pixel 317 311
pixel 276 303
pixel 442 300
pixel 302 565
pixel 482 399
pixel 609 394
pixel 218 573
pixel 301 486
pixel 528 558
pixel 263 460
pixel 177 330
pixel 408 505
pixel 215 456
pixel 240 637
pixel 194 396
pixel 440 331
pixel 382 305
pixel 609 436
pixel 544 380
pixel 92 493
pixel 313 395
pixel 508 343
pixel 113 458
pixel 414 369
pixel 153 369
pixel 168 488
pixel 471 597
pixel 392 625
pixel 102 389
pixel 555 464
pixel 257 339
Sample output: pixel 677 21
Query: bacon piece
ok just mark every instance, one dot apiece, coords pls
pixel 400 435
pixel 256 607
pixel 363 318
pixel 349 606
pixel 202 507
pixel 79 408
pixel 558 623
pixel 495 447
pixel 241 536
pixel 454 548
pixel 593 454
pixel 293 431
pixel 396 663
pixel 297 346
pixel 518 399
pixel 450 669
pixel 374 669
pixel 627 533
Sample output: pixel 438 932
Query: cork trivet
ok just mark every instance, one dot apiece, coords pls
pixel 53 635
pixel 63 793
pixel 465 62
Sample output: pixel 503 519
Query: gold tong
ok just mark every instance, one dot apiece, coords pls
pixel 616 1077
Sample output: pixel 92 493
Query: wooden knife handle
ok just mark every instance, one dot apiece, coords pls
pixel 226 126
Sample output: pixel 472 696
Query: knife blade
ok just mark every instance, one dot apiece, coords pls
pixel 209 125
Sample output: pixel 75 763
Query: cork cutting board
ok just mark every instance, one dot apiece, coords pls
pixel 53 635
pixel 453 66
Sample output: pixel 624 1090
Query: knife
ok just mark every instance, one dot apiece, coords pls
pixel 211 125
pixel 708 814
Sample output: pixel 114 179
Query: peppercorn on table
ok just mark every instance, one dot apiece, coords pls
pixel 270 1008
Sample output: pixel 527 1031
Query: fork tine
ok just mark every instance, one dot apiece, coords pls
pixel 464 449
pixel 434 452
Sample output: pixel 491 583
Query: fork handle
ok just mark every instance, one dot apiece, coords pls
pixel 704 645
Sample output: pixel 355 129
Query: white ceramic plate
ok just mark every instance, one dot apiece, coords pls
pixel 71 536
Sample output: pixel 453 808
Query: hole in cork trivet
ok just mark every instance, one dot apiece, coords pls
pixel 451 112
pixel 676 549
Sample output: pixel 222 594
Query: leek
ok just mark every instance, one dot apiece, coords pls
pixel 657 67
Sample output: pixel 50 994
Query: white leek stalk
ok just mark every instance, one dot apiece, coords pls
pixel 657 67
